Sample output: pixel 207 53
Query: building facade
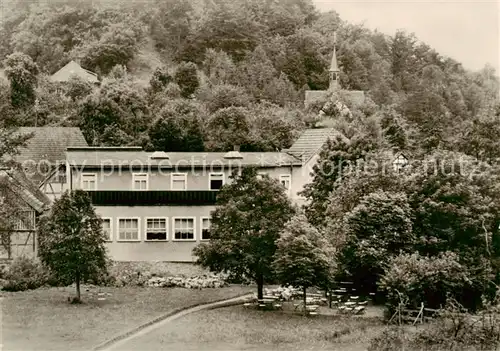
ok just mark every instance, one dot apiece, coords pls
pixel 156 206
pixel 25 203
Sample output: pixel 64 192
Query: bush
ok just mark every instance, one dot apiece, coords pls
pixel 454 329
pixel 26 273
pixel 417 279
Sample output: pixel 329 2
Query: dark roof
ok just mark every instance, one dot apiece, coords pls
pixel 116 157
pixel 334 67
pixel 49 143
pixel 25 192
pixel 47 148
pixel 74 69
pixel 311 142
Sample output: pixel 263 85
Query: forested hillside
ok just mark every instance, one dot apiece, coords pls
pixel 202 75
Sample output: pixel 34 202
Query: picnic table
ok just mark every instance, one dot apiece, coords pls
pixel 311 305
pixel 270 302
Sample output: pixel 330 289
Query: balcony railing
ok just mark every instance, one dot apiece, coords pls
pixel 153 198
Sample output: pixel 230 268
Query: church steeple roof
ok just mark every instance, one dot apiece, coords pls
pixel 334 67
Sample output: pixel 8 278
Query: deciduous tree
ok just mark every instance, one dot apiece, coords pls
pixel 22 73
pixel 304 258
pixel 246 224
pixel 71 240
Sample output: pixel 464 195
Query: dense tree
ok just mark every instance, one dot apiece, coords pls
pixel 117 102
pixel 217 97
pixel 219 68
pixel 454 199
pixel 477 137
pixel 229 127
pixel 117 46
pixel 71 240
pixel 393 129
pixel 245 226
pixel 378 228
pixel 186 76
pixel 22 74
pixel 171 26
pixel 178 128
pixel 304 258
pixel 160 79
pixel 223 26
pixel 337 158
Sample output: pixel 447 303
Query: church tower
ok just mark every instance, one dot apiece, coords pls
pixel 334 67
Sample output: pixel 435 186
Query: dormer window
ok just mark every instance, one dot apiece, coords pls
pixel 400 163
pixel 159 155
pixel 233 155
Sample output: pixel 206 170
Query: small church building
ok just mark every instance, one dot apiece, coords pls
pixel 312 96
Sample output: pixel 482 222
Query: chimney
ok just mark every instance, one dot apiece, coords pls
pixel 236 148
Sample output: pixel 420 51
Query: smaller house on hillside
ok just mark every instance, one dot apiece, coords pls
pixel 72 68
pixel 24 203
pixel 44 154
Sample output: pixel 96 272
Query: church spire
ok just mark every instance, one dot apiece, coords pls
pixel 334 68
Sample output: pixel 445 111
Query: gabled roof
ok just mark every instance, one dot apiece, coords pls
pixel 311 142
pixel 129 156
pixel 47 147
pixel 50 143
pixel 74 69
pixel 25 193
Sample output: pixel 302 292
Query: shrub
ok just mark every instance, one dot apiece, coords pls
pixel 26 273
pixel 431 281
pixel 454 330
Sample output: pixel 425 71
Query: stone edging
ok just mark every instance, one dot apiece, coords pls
pixel 118 338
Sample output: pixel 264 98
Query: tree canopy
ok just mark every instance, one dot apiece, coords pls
pixel 245 226
pixel 71 240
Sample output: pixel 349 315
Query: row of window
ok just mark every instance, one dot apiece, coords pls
pixel 178 181
pixel 155 229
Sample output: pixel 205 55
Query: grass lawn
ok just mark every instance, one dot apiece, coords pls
pixel 238 328
pixel 43 319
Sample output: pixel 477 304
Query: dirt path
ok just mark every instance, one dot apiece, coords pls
pixel 115 343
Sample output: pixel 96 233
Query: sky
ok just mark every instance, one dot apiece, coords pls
pixel 467 31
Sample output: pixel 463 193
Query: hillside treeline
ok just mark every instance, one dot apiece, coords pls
pixel 203 75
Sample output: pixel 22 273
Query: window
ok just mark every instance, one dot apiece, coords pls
pixel 156 229
pixel 179 181
pixel 400 163
pixel 286 181
pixel 216 181
pixel 261 175
pixel 184 229
pixel 106 229
pixel 89 181
pixel 205 229
pixel 140 181
pixel 128 229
